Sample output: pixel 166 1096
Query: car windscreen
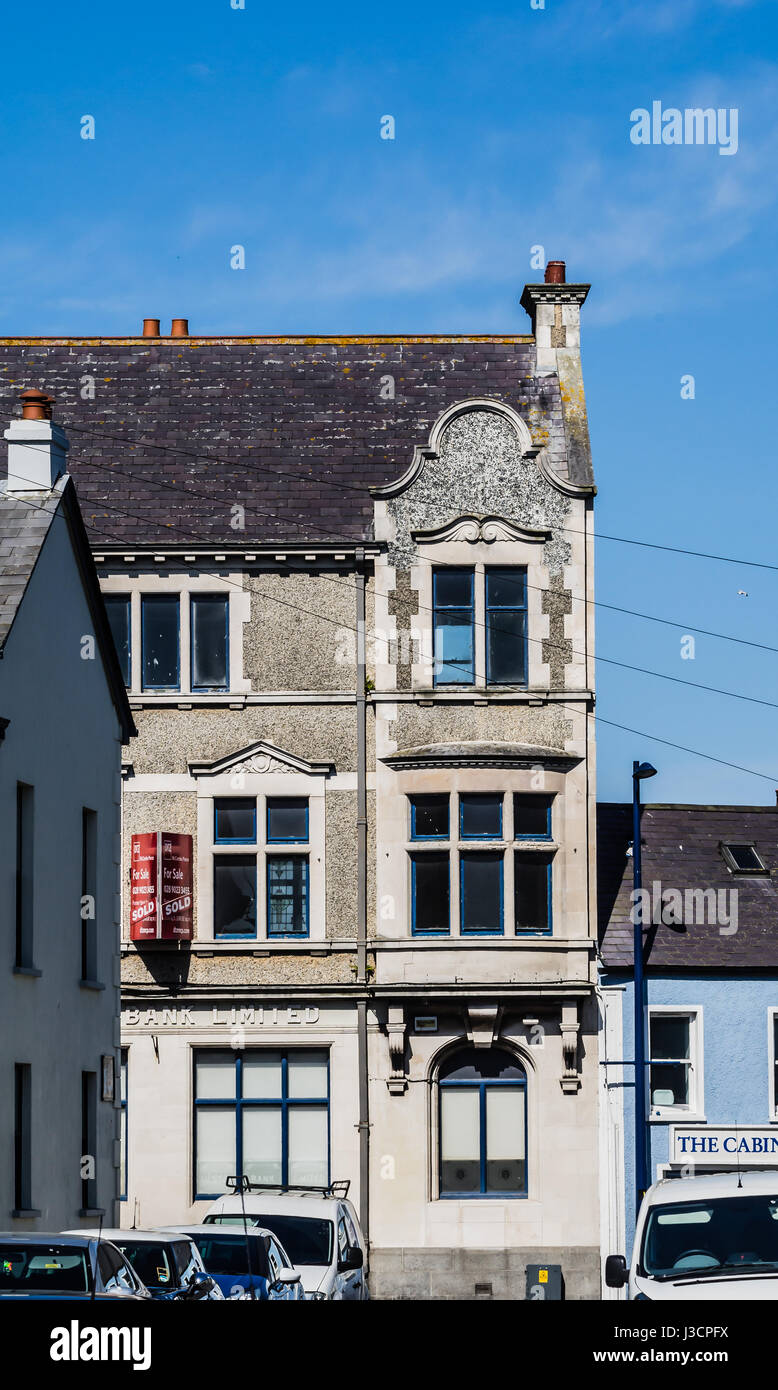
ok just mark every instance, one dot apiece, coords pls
pixel 306 1239
pixel 152 1262
pixel 38 1268
pixel 721 1235
pixel 228 1254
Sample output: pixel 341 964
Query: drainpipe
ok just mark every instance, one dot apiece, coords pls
pixel 364 1120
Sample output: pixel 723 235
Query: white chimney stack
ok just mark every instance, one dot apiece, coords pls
pixel 37 448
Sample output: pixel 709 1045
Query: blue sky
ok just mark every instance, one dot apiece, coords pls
pixel 261 127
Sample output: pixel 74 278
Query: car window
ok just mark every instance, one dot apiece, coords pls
pixel 308 1240
pixel 226 1254
pixel 113 1269
pixel 36 1266
pixel 152 1261
pixel 353 1238
pixel 342 1239
pixel 126 1277
pixel 274 1258
pixel 185 1253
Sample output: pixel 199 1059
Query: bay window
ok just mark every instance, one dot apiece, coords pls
pixel 504 878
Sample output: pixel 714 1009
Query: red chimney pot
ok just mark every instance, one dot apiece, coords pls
pixel 180 328
pixel 151 328
pixel 36 405
pixel 555 273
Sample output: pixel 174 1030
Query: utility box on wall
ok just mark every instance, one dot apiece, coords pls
pixel 545 1282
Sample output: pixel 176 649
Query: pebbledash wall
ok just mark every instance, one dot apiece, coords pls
pixel 302 479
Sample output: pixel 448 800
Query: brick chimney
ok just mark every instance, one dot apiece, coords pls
pixel 37 448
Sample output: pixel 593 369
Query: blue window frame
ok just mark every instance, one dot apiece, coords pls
pixel 209 642
pixel 506 626
pixel 430 894
pixel 287 895
pixel 481 893
pixel 160 642
pixel 531 816
pixel 234 895
pixel 429 817
pixel 532 891
pixel 480 816
pixel 123 1149
pixel 453 627
pixel 235 820
pixel 263 1113
pixel 287 820
pixel 117 606
pixel 482 1124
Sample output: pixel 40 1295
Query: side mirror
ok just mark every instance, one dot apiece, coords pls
pixel 199 1284
pixel 353 1259
pixel 616 1272
pixel 288 1276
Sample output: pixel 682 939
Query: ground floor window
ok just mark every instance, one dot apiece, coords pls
pixel 483 1123
pixel 263 1113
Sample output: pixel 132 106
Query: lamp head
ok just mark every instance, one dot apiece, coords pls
pixel 641 770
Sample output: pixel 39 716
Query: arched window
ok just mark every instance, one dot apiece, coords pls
pixel 483 1124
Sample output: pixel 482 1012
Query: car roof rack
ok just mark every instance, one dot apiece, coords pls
pixel 239 1182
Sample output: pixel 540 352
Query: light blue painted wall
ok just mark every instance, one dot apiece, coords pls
pixel 736 1057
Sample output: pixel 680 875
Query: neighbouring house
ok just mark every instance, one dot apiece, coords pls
pixel 350 583
pixel 64 717
pixel 710 934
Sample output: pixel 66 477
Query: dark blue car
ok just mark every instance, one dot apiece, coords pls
pixel 251 1264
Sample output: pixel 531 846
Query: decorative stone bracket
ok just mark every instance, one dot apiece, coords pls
pixel 395 1031
pixel 482 1023
pixel 570 1080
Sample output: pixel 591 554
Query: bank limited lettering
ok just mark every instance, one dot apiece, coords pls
pixel 253 1017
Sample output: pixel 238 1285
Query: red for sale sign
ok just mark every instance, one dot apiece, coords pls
pixel 161 887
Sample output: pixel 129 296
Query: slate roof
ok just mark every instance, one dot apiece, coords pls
pixel 680 846
pixel 24 526
pixel 25 522
pixel 293 429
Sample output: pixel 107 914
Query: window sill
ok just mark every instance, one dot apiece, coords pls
pixel 258 946
pixel 91 1211
pixel 25 1213
pixel 677 1117
pixel 90 984
pixel 27 970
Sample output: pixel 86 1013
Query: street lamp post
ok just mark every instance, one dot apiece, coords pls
pixel 639 772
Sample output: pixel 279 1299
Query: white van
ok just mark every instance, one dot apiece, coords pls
pixel 709 1237
pixel 318 1226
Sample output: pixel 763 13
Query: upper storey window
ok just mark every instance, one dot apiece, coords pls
pixel 160 646
pixel 501 636
pixel 506 626
pixel 180 636
pixel 209 630
pixel 454 604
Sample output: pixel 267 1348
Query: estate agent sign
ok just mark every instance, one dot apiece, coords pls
pixel 161 887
